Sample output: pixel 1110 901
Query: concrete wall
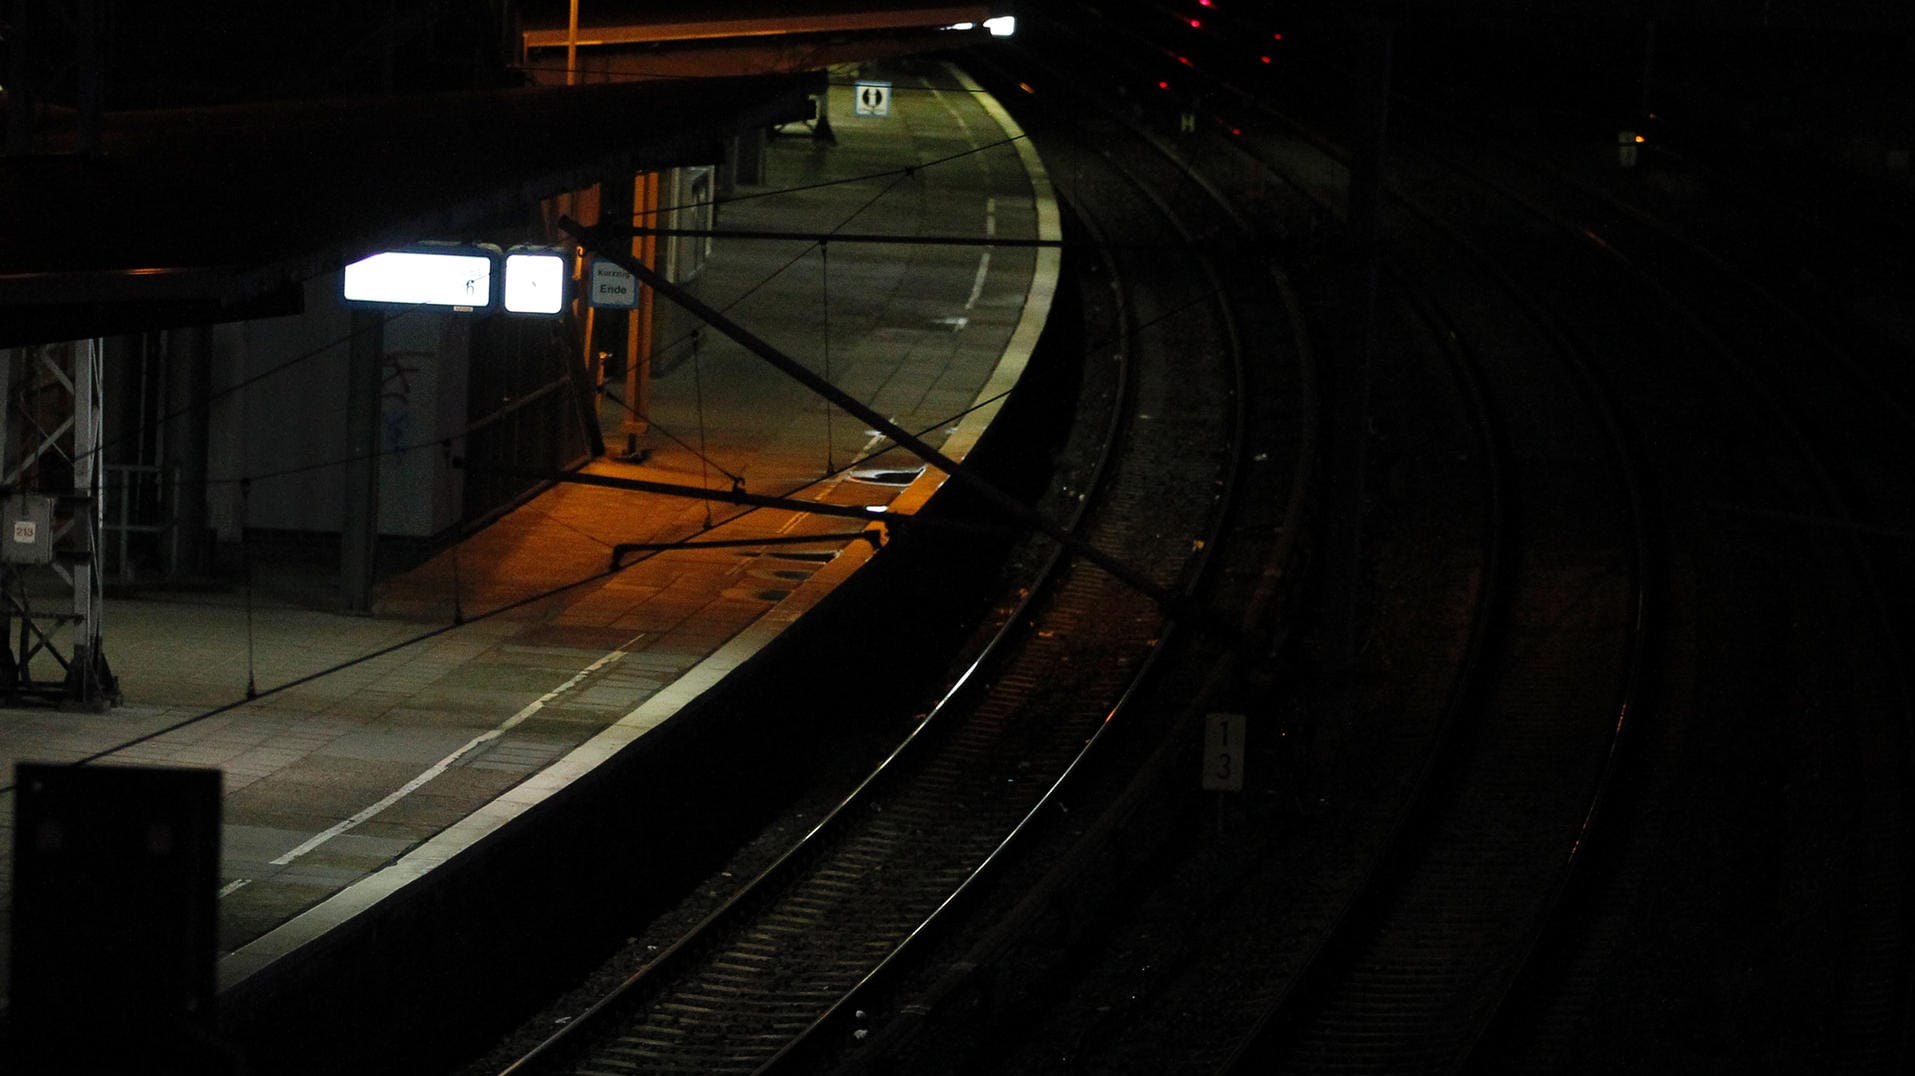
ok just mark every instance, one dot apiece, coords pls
pixel 287 429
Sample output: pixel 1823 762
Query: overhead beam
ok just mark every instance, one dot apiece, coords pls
pixel 836 237
pixel 726 496
pixel 775 23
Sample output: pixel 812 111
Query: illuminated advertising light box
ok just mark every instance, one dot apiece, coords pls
pixel 535 280
pixel 460 278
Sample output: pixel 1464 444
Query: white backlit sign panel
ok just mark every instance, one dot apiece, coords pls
pixel 460 278
pixel 535 282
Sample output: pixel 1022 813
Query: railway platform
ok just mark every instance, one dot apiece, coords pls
pixel 377 748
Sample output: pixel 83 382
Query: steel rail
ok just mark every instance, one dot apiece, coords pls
pixel 917 743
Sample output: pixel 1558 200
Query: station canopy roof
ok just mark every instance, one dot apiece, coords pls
pixel 211 214
pixel 191 215
pixel 704 38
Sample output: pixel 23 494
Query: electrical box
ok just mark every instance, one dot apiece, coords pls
pixel 26 528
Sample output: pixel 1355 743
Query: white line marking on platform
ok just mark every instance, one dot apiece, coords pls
pixel 984 259
pixel 990 208
pixel 447 762
pixel 234 886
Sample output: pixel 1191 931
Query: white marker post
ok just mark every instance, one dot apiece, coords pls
pixel 1223 756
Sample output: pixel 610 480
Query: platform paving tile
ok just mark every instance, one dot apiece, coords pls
pixel 557 645
pixel 277 752
pixel 256 909
pixel 257 844
pixel 650 659
pixel 517 760
pixel 309 871
pixel 566 714
pixel 626 692
pixel 461 701
pixel 437 804
pixel 394 743
pixel 317 787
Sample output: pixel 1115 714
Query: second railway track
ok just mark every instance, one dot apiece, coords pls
pixel 787 959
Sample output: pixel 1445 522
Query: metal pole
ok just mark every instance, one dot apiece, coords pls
pixel 1349 383
pixel 91 75
pixel 10 666
pixel 89 682
pixel 23 89
pixel 637 420
pixel 189 386
pixel 571 47
pixel 359 522
pixel 1645 104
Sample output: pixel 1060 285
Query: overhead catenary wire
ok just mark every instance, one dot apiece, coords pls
pixel 650 550
pixel 898 176
pixel 824 319
pixel 458 539
pixel 246 566
pixel 1197 300
pixel 698 398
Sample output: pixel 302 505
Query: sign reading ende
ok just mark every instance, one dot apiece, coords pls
pixel 611 287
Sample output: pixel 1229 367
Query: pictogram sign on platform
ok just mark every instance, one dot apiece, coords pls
pixel 871 98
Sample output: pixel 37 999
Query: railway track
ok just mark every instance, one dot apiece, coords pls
pixel 1783 483
pixel 793 957
pixel 1781 480
pixel 1522 986
pixel 1391 942
pixel 1389 946
pixel 1484 859
pixel 1426 952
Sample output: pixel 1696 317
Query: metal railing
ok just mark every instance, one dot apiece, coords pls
pixel 141 498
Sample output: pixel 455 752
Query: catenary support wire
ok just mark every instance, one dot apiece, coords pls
pixel 1017 509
